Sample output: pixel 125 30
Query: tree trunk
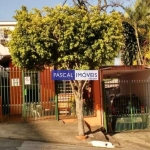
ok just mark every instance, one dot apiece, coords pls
pixel 140 60
pixel 78 93
pixel 79 113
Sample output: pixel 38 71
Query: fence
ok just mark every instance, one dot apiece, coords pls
pixel 126 104
pixel 66 101
pixel 32 95
pixel 26 95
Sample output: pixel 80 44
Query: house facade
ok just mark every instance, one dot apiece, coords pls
pixel 28 95
pixel 51 99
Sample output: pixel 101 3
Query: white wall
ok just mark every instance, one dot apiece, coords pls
pixel 8 25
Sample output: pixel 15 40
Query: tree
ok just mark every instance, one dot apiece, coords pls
pixel 68 38
pixel 138 17
pixel 102 5
pixel 129 51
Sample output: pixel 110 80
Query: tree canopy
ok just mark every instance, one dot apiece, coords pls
pixel 138 17
pixel 68 37
pixel 129 51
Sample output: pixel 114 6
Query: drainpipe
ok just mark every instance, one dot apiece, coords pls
pixel 100 85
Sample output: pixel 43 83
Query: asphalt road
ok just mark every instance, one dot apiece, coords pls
pixel 10 144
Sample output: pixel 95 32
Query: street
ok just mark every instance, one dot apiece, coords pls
pixel 126 144
pixel 10 144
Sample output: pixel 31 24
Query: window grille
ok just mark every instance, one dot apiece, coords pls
pixel 64 87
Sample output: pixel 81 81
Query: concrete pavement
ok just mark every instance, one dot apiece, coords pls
pixel 30 145
pixel 10 144
pixel 134 140
pixel 48 131
pixel 58 132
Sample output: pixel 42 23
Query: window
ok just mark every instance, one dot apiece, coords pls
pixel 64 87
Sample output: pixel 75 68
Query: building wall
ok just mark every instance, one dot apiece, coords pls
pixel 139 75
pixel 16 97
pixel 7 25
pixel 47 88
pixel 97 96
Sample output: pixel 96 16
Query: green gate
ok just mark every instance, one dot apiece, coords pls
pixel 126 104
pixel 38 100
pixel 27 95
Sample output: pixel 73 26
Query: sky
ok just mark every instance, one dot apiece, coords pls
pixel 8 7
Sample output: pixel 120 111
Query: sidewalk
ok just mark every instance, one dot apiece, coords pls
pixel 48 131
pixel 137 139
pixel 65 133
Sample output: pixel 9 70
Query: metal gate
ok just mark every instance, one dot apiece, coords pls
pixel 66 101
pixel 33 95
pixel 26 95
pixel 126 104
